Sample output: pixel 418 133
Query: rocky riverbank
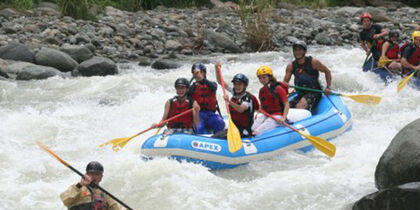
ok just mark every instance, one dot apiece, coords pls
pixel 149 36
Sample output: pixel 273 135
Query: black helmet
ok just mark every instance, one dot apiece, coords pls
pixel 183 82
pixel 301 44
pixel 94 166
pixel 394 33
pixel 200 66
pixel 240 77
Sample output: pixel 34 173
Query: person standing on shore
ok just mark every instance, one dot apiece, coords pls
pixel 84 194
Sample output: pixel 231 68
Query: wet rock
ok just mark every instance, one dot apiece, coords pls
pixel 322 38
pixel 7 12
pixel 404 196
pixel 165 64
pixel 31 72
pixel 3 73
pixel 222 41
pixel 400 162
pixel 97 66
pixel 18 52
pixel 55 58
pixel 172 45
pixel 77 52
pixel 144 61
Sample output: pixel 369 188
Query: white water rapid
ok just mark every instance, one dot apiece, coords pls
pixel 73 116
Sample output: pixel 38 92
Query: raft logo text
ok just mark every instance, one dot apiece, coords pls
pixel 206 146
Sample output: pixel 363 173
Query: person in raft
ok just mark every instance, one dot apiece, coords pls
pixel 180 103
pixel 242 104
pixel 204 92
pixel 306 71
pixel 273 98
pixel 85 194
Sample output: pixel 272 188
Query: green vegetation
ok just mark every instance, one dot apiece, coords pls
pixel 255 17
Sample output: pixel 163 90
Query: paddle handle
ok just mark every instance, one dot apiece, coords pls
pixel 313 90
pixel 80 174
pixel 222 82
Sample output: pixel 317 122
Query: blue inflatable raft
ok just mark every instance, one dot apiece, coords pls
pixel 329 120
pixel 386 75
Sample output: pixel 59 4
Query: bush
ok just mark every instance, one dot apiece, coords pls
pixel 78 9
pixel 255 17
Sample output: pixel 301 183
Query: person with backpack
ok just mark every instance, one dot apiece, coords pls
pixel 391 52
pixel 273 98
pixel 178 104
pixel 306 71
pixel 242 104
pixel 411 55
pixel 204 92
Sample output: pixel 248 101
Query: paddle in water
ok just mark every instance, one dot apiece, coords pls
pixel 365 99
pixel 233 135
pixel 45 148
pixel 404 81
pixel 119 143
pixel 318 142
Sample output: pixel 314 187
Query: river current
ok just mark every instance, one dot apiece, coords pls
pixel 73 116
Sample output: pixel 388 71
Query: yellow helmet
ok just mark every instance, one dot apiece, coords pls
pixel 264 70
pixel 415 34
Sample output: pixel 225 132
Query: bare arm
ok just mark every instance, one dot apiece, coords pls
pixel 383 33
pixel 288 74
pixel 238 107
pixel 196 116
pixel 385 48
pixel 406 64
pixel 286 109
pixel 363 44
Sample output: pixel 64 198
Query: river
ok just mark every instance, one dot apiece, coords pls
pixel 73 116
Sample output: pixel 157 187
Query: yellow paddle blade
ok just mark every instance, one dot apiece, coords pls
pixel 321 144
pixel 404 81
pixel 383 60
pixel 118 143
pixel 233 137
pixel 365 99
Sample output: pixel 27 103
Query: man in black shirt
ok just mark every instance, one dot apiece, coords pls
pixel 371 36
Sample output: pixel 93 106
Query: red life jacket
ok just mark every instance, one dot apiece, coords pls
pixel 204 96
pixel 246 118
pixel 176 107
pixel 270 100
pixel 415 56
pixel 393 51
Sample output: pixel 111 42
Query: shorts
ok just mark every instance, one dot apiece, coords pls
pixel 312 99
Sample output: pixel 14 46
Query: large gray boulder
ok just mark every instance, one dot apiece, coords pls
pixel 222 41
pixel 165 64
pixel 404 196
pixel 400 162
pixel 97 66
pixel 18 52
pixel 55 58
pixel 37 72
pixel 77 52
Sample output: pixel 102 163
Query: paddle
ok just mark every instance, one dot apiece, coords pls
pixel 233 136
pixel 366 59
pixel 80 174
pixel 318 142
pixel 365 99
pixel 119 143
pixel 404 81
